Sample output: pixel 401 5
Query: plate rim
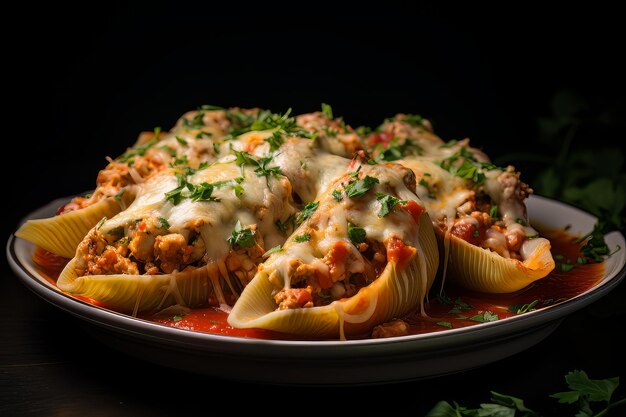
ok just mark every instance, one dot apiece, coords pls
pixel 267 347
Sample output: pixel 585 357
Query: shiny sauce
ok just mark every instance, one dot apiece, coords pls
pixel 456 308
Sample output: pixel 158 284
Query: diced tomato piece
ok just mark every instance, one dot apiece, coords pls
pixel 302 296
pixel 382 138
pixel 414 209
pixel 336 258
pixel 467 232
pixel 400 253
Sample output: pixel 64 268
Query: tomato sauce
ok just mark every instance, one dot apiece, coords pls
pixel 457 308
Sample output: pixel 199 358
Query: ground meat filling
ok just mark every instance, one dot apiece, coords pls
pixel 147 247
pixel 476 226
pixel 343 271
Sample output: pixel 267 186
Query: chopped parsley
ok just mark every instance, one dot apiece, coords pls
pixel 397 151
pixel 360 187
pixel 140 150
pixel 208 107
pixel 426 185
pixel 183 160
pixel 196 121
pixel 201 134
pixel 595 248
pixel 241 237
pixel 493 212
pixel 449 144
pixel 100 223
pixel 485 317
pixel 469 168
pixel 261 164
pixel 327 110
pixel 119 195
pixel 275 141
pixel 445 324
pixel 163 223
pixel 304 237
pixel 181 141
pixel 413 119
pixel 275 249
pixel 523 308
pixel 289 223
pixel 202 192
pixel 171 151
pixel 306 212
pixel 387 203
pixel 363 130
pixel 337 195
pixel 356 234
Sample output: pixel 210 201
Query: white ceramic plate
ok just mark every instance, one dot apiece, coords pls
pixel 330 362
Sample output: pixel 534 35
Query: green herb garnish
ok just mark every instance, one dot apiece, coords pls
pixel 356 234
pixel 306 212
pixel 241 237
pixel 485 317
pixel 360 187
pixel 275 249
pixel 304 237
pixel 387 203
pixel 163 223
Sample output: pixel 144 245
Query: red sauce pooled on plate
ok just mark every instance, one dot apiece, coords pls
pixel 459 308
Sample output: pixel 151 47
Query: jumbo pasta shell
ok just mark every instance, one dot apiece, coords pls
pixel 137 293
pixel 62 234
pixel 393 294
pixel 482 270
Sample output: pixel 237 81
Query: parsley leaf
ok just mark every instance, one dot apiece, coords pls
pixel 306 212
pixel 485 317
pixel 275 249
pixel 337 195
pixel 426 185
pixel 181 141
pixel 261 170
pixel 196 121
pixel 162 223
pixel 360 187
pixel 413 119
pixel 523 308
pixel 397 151
pixel 100 223
pixel 208 107
pixel 202 192
pixel 356 234
pixel 289 223
pixel 449 144
pixel 119 194
pixel 241 237
pixel 141 150
pixel 587 389
pixel 304 237
pixel 445 324
pixel 493 212
pixel 387 203
pixel 595 247
pixel 275 141
pixel 327 110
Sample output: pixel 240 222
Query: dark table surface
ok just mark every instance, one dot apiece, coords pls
pixel 50 366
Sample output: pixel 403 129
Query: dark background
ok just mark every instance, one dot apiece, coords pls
pixel 94 81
